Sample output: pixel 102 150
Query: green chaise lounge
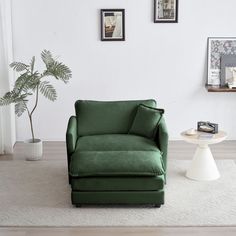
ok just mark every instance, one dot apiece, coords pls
pixel 117 153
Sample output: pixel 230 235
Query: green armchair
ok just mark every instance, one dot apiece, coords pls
pixel 109 165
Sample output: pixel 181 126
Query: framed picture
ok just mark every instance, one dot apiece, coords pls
pixel 217 47
pixel 165 11
pixel 112 24
pixel 227 69
pixel 230 75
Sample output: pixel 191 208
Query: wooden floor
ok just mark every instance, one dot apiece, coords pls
pixel 121 231
pixel 177 150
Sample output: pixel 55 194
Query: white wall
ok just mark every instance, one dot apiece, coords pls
pixel 163 61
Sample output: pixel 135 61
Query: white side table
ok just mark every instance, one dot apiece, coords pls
pixel 203 166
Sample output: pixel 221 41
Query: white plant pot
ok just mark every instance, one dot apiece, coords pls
pixel 34 151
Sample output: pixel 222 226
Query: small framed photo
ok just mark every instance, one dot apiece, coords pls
pixel 165 11
pixel 230 74
pixel 227 69
pixel 112 24
pixel 217 49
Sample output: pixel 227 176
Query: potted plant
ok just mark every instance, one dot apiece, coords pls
pixel 30 84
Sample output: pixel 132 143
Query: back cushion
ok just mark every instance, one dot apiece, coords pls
pixel 95 117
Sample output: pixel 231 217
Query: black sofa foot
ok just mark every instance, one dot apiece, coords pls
pixel 157 205
pixel 78 205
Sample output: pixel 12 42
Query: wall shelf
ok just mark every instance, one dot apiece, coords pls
pixel 224 89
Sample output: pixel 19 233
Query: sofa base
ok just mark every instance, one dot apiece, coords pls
pixel 155 205
pixel 155 198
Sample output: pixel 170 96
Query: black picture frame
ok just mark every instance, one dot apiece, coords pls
pixel 167 12
pixel 108 34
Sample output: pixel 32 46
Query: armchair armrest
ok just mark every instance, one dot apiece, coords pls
pixel 71 137
pixel 161 140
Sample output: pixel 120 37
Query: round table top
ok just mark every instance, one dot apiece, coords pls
pixel 197 139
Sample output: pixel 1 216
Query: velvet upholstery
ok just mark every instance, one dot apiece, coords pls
pixel 107 117
pixel 118 197
pixel 71 138
pixel 106 165
pixel 116 163
pixel 146 121
pixel 161 140
pixel 71 135
pixel 115 142
pixel 125 183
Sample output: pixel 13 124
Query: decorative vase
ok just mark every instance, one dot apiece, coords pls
pixel 34 151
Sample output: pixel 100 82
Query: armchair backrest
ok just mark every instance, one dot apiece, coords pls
pixel 108 117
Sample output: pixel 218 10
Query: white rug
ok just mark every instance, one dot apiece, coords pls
pixel 37 194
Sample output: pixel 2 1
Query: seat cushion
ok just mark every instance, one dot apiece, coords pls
pixel 116 155
pixel 116 163
pixel 115 142
pixel 95 117
pixel 118 183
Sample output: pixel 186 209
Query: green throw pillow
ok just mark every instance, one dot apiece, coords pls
pixel 146 121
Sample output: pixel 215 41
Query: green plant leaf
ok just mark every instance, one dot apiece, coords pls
pixel 20 108
pixel 19 66
pixel 26 82
pixel 59 71
pixel 5 101
pixel 8 98
pixel 47 57
pixel 48 90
